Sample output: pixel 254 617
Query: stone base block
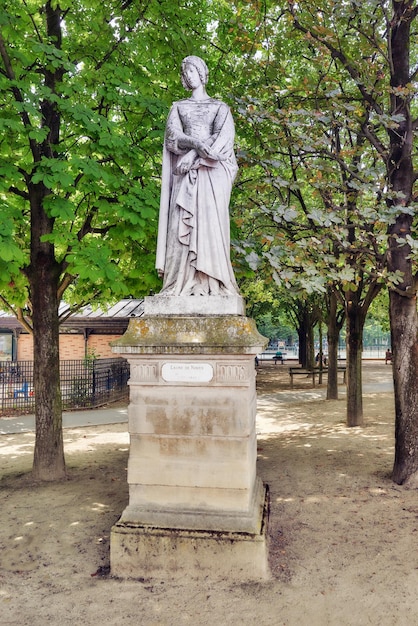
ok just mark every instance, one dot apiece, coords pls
pixel 143 510
pixel 194 305
pixel 138 551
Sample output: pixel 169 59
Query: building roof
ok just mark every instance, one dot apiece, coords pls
pixel 115 319
pixel 128 307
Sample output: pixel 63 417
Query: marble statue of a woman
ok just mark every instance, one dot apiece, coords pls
pixel 199 167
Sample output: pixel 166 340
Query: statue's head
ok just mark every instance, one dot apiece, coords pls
pixel 200 66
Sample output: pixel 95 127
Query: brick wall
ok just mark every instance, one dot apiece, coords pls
pixel 99 345
pixel 71 346
pixel 25 348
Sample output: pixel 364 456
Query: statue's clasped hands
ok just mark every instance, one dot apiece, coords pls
pixel 205 151
pixel 191 161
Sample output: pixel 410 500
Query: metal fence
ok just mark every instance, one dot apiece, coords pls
pixel 84 384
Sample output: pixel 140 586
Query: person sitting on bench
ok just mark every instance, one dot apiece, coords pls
pixel 278 357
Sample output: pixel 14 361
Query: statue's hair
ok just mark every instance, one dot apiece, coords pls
pixel 201 67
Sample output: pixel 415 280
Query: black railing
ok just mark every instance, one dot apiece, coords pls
pixel 84 384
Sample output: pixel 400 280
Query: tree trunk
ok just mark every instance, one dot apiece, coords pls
pixel 306 341
pixel 43 274
pixel 403 314
pixel 310 346
pixel 354 325
pixel 302 335
pixel 48 461
pixel 305 314
pixel 403 303
pixel 333 334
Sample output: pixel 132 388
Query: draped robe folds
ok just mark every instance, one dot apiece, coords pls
pixel 193 249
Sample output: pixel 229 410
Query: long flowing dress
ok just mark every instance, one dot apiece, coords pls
pixel 193 249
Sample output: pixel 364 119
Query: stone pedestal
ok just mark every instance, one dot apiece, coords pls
pixel 196 506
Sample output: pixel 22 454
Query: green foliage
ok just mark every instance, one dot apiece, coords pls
pixel 86 89
pixel 309 178
pixel 315 113
pixel 379 311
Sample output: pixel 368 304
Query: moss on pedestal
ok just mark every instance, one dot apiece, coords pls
pixel 228 334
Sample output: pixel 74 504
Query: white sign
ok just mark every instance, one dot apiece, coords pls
pixel 187 372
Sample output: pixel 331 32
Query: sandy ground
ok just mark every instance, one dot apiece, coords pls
pixel 343 535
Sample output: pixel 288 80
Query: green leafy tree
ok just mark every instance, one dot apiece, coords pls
pixel 314 225
pixel 85 96
pixel 371 45
pixel 310 183
pixel 344 109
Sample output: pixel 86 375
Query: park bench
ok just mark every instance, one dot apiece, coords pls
pixel 312 373
pixel 270 356
pixel 301 371
pixel 279 357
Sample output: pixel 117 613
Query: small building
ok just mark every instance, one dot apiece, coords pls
pixel 88 332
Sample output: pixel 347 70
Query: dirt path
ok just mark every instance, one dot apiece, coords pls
pixel 343 535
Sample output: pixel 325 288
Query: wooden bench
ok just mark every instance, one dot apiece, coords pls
pixel 301 371
pixel 271 356
pixel 340 368
pixel 279 358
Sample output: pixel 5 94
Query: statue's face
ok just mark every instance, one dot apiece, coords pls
pixel 191 76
